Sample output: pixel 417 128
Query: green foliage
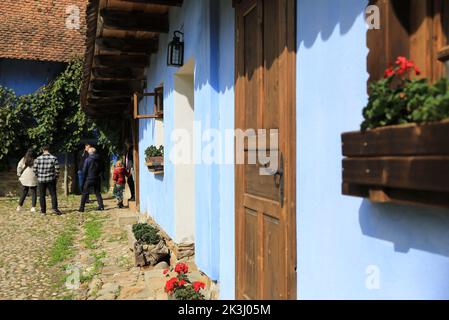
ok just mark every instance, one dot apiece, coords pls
pixel 153 151
pixel 188 293
pixel 62 248
pixel 411 101
pixel 52 116
pixel 93 231
pixel 108 132
pixel 146 233
pixel 9 121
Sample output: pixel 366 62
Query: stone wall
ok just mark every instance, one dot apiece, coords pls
pixel 10 185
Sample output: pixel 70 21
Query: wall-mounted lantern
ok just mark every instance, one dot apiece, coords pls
pixel 175 53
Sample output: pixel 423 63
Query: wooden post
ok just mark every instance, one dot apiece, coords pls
pixel 66 169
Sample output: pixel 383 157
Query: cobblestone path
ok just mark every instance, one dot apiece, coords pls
pixel 75 256
pixel 26 244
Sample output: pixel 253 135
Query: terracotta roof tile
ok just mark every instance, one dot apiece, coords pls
pixel 37 29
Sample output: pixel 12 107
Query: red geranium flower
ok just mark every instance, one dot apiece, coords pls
pixel 197 286
pixel 402 62
pixel 181 283
pixel 403 67
pixel 417 71
pixel 171 285
pixel 181 268
pixel 389 72
pixel 166 271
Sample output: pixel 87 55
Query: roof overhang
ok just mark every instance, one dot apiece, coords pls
pixel 121 35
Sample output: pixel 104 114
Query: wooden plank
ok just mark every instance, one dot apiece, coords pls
pixel 173 3
pixel 404 140
pixel 268 207
pixel 109 94
pixel 121 73
pixel 133 61
pixel 113 85
pixel 399 196
pixel 134 21
pixel 128 45
pixel 108 107
pixel 103 100
pixel 416 173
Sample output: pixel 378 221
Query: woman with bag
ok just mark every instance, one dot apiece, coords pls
pixel 28 180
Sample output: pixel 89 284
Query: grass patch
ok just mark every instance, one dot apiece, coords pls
pixel 63 246
pixel 96 267
pixel 93 231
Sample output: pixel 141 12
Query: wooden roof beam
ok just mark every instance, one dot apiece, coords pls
pixel 109 94
pixel 135 21
pixel 172 3
pixel 128 45
pixel 108 100
pixel 117 85
pixel 109 107
pixel 131 61
pixel 118 73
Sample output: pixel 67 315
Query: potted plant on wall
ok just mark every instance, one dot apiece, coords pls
pixel 154 157
pixel 401 153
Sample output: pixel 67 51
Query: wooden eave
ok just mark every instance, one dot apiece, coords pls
pixel 121 36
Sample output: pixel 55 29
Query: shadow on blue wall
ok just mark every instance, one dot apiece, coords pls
pixel 424 229
pixel 319 22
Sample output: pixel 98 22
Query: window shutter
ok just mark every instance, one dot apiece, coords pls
pixel 391 40
pixel 416 29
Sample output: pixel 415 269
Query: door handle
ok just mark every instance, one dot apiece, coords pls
pixel 279 180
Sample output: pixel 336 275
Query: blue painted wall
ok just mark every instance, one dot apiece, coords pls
pixel 209 37
pixel 26 76
pixel 342 240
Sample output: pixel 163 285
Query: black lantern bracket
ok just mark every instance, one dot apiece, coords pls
pixel 175 52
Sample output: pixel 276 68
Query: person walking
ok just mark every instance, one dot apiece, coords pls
pixel 46 169
pixel 129 166
pixel 119 183
pixel 28 179
pixel 82 159
pixel 92 172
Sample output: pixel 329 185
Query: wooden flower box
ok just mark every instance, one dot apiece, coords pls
pixel 404 163
pixel 155 164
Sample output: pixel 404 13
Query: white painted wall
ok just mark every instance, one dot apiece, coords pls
pixel 184 116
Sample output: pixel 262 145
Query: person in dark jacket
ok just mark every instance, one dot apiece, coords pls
pixel 82 159
pixel 92 172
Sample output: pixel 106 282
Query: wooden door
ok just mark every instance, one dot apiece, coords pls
pixel 265 99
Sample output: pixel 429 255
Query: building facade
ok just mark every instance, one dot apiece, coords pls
pixel 300 69
pixel 37 39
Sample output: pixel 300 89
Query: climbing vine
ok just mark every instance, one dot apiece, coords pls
pixel 52 115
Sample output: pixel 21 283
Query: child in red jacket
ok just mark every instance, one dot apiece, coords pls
pixel 119 178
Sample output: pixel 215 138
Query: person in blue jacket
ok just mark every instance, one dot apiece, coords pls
pixel 92 172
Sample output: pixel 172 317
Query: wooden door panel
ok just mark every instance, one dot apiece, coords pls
pixel 260 185
pixel 273 43
pixel 252 66
pixel 269 208
pixel 250 272
pixel 274 259
pixel 265 99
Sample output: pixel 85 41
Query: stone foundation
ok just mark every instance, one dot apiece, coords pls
pixel 11 187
